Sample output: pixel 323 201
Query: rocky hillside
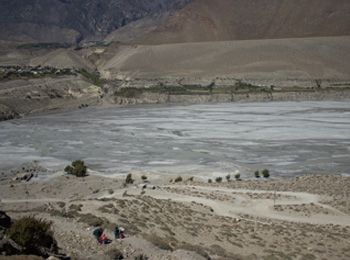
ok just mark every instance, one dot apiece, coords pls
pixel 225 20
pixel 75 20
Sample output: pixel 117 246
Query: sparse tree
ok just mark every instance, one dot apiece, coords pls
pixel 228 178
pixel 237 176
pixel 77 168
pixel 266 173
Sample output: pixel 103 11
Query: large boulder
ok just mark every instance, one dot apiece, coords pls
pixel 5 220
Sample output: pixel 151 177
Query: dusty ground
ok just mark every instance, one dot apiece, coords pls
pixel 192 219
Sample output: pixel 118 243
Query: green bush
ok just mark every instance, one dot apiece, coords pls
pixel 257 174
pixel 210 181
pixel 218 179
pixel 33 234
pixel 237 176
pixel 190 179
pixel 129 180
pixel 144 177
pixel 178 179
pixel 77 168
pixel 266 173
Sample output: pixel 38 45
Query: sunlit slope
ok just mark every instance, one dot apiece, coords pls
pixel 264 60
pixel 224 20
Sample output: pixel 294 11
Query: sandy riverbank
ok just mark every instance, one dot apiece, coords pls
pixel 192 219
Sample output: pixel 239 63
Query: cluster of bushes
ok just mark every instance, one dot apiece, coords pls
pixel 93 77
pixel 33 235
pixel 265 173
pixel 44 45
pixel 77 168
pixel 16 72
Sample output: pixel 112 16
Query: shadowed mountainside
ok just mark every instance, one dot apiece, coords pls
pixel 75 20
pixel 225 20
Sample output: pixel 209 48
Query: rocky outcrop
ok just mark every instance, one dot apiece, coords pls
pixel 28 96
pixel 147 98
pixel 5 220
pixel 8 114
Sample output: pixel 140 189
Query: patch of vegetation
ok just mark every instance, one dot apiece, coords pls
pixel 266 173
pixel 129 92
pixel 157 241
pixel 178 179
pixel 77 168
pixel 91 220
pixel 195 248
pixel 33 234
pixel 44 45
pixel 129 180
pixel 95 77
pixel 190 179
pixel 217 250
pixel 144 177
pixel 257 174
pixel 237 176
pixel 15 72
pixel 75 207
pixel 218 179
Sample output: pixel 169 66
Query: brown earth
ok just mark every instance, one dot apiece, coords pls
pixel 191 219
pixel 227 20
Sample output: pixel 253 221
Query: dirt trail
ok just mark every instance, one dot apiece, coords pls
pixel 260 208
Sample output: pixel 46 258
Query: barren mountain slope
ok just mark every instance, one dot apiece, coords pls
pixel 207 20
pixel 74 20
pixel 281 62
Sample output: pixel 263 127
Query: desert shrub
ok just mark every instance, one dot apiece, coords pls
pixel 218 179
pixel 190 179
pixel 75 207
pixel 144 177
pixel 217 250
pixel 110 191
pixel 115 254
pixel 129 180
pixel 210 181
pixel 265 173
pixel 178 179
pixel 77 168
pixel 237 176
pixel 257 174
pixel 195 248
pixel 33 234
pixel 61 204
pixel 228 177
pixel 91 220
pixel 141 257
pixel 157 241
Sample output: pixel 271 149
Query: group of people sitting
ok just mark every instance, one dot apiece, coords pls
pixel 102 238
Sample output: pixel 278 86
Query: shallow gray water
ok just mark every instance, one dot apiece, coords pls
pixel 288 138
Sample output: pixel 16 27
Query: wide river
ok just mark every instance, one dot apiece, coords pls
pixel 288 138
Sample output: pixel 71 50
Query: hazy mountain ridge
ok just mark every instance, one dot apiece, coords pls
pixel 75 20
